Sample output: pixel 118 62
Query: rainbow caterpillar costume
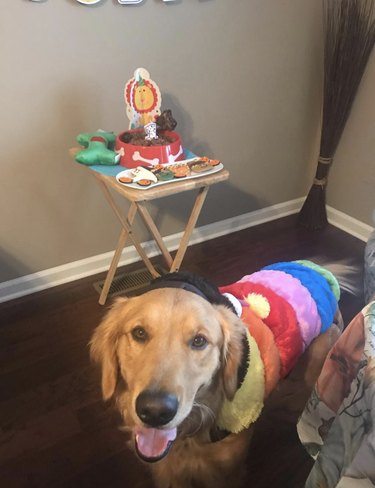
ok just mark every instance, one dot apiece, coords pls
pixel 284 306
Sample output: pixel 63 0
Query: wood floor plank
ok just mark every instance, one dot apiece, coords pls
pixel 49 467
pixel 76 390
pixel 39 433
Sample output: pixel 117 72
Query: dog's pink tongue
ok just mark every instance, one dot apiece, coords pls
pixel 152 443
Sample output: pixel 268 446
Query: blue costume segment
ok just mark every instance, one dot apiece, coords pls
pixel 316 284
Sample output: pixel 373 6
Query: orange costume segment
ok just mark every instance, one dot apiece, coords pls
pixel 267 348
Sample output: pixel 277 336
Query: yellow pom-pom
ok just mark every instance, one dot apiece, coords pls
pixel 259 305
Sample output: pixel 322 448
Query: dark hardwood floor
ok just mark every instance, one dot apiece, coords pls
pixel 56 431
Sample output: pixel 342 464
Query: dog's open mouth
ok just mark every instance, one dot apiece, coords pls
pixel 152 445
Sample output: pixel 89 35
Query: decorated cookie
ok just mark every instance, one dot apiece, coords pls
pixel 140 173
pixel 164 175
pixel 180 170
pixel 125 179
pixel 201 167
pixel 144 182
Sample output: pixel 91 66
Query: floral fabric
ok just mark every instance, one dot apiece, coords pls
pixel 337 425
pixel 369 274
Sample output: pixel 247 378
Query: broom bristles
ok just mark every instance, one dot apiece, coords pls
pixel 313 214
pixel 349 38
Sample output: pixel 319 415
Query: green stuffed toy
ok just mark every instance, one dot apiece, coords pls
pixel 98 148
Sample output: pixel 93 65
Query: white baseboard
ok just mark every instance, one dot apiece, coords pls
pixel 59 275
pixel 348 224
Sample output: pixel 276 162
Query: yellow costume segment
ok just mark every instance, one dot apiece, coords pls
pixel 247 403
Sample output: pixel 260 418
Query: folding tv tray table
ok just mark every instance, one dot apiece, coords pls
pixel 106 178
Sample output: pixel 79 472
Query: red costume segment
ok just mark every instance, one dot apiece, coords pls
pixel 281 321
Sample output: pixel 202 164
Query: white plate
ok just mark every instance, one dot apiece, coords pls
pixel 89 2
pixel 129 2
pixel 128 173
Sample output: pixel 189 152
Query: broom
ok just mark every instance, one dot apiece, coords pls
pixel 349 36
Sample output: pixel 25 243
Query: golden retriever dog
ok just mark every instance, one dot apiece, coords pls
pixel 171 358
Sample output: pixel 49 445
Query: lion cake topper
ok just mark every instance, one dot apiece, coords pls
pixel 142 99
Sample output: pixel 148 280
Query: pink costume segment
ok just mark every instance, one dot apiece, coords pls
pixel 296 294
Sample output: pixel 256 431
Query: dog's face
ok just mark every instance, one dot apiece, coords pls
pixel 162 355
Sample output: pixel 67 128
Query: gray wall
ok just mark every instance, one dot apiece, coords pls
pixel 352 179
pixel 243 80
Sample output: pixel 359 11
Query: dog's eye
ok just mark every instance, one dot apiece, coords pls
pixel 198 342
pixel 139 334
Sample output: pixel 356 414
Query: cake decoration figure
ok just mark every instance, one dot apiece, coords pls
pixel 142 98
pixel 150 130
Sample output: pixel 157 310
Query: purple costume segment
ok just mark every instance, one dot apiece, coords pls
pixel 296 294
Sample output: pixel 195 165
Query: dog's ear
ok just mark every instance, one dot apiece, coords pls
pixel 233 334
pixel 103 347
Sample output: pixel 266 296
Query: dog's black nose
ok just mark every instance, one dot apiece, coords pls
pixel 156 408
